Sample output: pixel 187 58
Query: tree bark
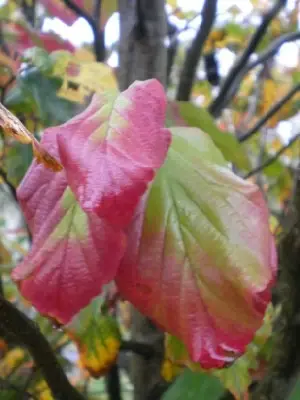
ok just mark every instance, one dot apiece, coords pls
pixel 143 55
pixel 285 362
pixel 142 52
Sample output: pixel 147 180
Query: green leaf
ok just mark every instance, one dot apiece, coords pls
pixel 17 161
pixel 192 245
pixel 295 395
pixel 37 93
pixel 227 143
pixel 39 58
pixel 97 337
pixel 195 386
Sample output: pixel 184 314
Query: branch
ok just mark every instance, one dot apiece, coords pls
pixel 113 386
pixel 194 52
pixel 172 49
pixel 178 32
pixel 3 174
pixel 28 334
pixel 285 360
pixel 270 160
pixel 143 349
pixel 238 68
pixel 99 45
pixel 273 110
pixel 273 49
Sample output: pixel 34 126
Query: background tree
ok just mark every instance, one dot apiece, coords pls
pixel 250 110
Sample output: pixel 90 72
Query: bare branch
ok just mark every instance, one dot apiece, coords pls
pixel 99 45
pixel 273 110
pixel 3 174
pixel 27 333
pixel 237 70
pixel 143 349
pixel 270 160
pixel 273 49
pixel 284 365
pixel 193 55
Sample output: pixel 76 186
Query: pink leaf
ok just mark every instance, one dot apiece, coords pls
pixel 200 260
pixel 112 151
pixel 73 253
pixel 58 9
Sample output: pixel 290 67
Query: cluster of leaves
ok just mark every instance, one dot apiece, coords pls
pixel 145 202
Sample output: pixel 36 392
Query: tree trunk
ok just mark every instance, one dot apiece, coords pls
pixel 143 55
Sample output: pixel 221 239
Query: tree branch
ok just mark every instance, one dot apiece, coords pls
pixel 285 361
pixel 28 334
pixel 193 55
pixel 273 49
pixel 99 44
pixel 3 174
pixel 113 386
pixel 273 110
pixel 270 160
pixel 143 349
pixel 237 71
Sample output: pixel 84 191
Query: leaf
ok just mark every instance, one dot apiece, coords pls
pixel 112 150
pixel 37 94
pixel 182 113
pixel 73 253
pixel 194 386
pixel 5 256
pixel 80 80
pixel 97 337
pixel 200 260
pixel 12 126
pixel 60 10
pixel 107 9
pixel 39 58
pixel 238 376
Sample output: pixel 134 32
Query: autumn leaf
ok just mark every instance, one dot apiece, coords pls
pixel 200 260
pixel 73 253
pixel 97 337
pixel 113 149
pixel 12 126
pixel 183 114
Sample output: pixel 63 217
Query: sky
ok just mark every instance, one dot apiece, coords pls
pixel 80 32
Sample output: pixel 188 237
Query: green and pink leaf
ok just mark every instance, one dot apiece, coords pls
pixel 200 259
pixel 113 151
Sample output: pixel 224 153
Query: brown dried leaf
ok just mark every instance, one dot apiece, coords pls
pixel 12 126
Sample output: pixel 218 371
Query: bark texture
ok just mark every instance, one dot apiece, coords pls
pixel 143 55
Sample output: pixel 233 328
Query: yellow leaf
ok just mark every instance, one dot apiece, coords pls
pixel 10 360
pixel 5 256
pixel 43 391
pixel 84 55
pixel 83 79
pixel 172 3
pixel 97 337
pixel 107 9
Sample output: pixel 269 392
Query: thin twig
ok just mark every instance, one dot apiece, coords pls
pixel 99 45
pixel 178 32
pixel 193 55
pixel 273 110
pixel 29 335
pixel 270 160
pixel 238 69
pixel 3 174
